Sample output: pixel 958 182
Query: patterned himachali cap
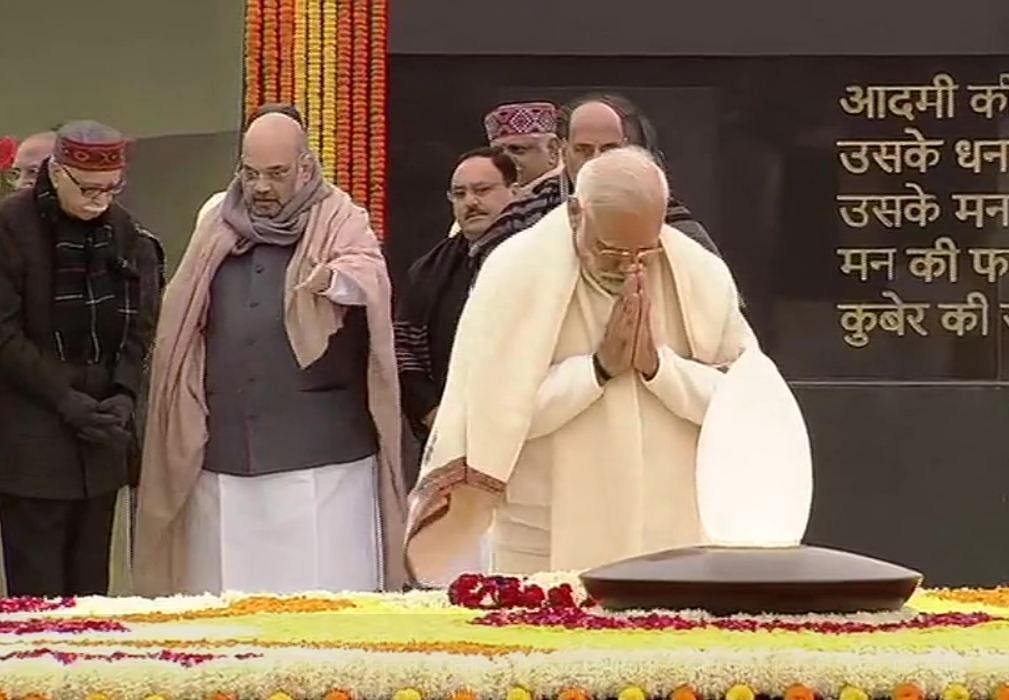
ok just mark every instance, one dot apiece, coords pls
pixel 521 119
pixel 95 157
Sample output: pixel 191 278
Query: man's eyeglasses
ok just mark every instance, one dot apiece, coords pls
pixel 625 256
pixel 251 176
pixel 94 192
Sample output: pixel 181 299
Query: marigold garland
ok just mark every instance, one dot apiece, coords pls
pixel 344 60
pixel 287 49
pixel 271 50
pixel 331 11
pixel 253 55
pixel 328 57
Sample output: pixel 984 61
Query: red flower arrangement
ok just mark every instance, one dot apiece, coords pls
pixel 8 149
pixel 505 592
pixel 578 618
pixel 27 604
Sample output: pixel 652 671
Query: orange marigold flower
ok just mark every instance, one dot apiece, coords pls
pixel 573 694
pixel 799 692
pixel 337 695
pixel 1002 692
pixel 464 695
pixel 220 696
pixel 908 691
pixel 684 692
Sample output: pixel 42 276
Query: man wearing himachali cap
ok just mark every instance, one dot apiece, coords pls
pixel 527 132
pixel 79 294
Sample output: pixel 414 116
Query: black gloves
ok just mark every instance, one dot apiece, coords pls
pixel 103 423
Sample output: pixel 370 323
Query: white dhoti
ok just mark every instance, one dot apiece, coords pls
pixel 311 529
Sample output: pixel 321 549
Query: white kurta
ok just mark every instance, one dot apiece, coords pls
pixel 607 473
pixel 305 530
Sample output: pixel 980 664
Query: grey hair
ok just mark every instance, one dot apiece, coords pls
pixel 622 178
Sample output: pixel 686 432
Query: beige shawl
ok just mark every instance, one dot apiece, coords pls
pixel 503 350
pixel 338 235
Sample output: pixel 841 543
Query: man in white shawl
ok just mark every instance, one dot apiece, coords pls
pixel 584 362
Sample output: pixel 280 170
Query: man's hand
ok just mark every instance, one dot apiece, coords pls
pixel 120 406
pixel 646 355
pixel 318 280
pixel 81 411
pixel 616 351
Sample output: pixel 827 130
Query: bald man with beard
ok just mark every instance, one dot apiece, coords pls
pixel 273 429
pixel 583 366
pixel 587 127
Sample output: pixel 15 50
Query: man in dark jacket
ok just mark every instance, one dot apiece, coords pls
pixel 79 293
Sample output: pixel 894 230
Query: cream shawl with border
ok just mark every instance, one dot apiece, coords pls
pixel 503 350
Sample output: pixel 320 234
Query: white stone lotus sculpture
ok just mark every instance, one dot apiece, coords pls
pixel 754 466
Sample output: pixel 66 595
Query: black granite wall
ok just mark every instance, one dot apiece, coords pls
pixel 908 416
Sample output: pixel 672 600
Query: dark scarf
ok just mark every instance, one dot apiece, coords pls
pixel 426 320
pixel 94 293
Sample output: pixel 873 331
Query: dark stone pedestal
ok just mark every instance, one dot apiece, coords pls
pixel 726 580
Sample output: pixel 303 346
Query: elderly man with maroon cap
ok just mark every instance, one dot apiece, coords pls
pixel 527 132
pixel 79 292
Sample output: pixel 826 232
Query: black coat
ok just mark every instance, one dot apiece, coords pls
pixel 40 455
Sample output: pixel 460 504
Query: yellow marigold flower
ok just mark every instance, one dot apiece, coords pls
pixel 280 696
pixel 907 691
pixel 853 693
pixel 956 691
pixel 684 692
pixel 518 693
pixel 632 692
pixel 155 697
pixel 740 692
pixel 97 696
pixel 407 694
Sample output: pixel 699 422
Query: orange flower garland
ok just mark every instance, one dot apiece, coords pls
pixel 253 55
pixel 344 58
pixel 300 50
pixel 329 58
pixel 271 51
pixel 377 100
pixel 359 102
pixel 286 35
